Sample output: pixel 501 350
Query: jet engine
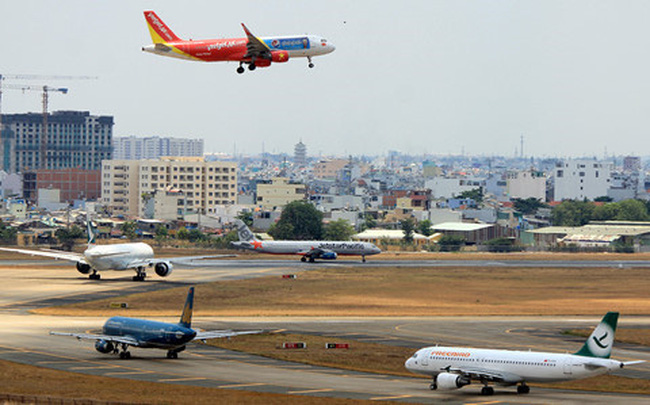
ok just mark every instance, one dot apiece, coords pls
pixel 279 56
pixel 328 255
pixel 103 346
pixel 83 268
pixel 163 269
pixel 449 381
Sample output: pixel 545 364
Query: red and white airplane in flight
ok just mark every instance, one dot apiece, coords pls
pixel 252 50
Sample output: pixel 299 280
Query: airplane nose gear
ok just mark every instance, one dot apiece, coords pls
pixel 311 65
pixel 523 389
pixel 94 275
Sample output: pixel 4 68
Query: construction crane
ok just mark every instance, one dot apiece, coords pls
pixel 46 90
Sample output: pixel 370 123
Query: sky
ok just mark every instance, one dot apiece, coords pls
pixel 418 77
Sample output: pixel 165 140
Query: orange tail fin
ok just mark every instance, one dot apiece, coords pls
pixel 160 32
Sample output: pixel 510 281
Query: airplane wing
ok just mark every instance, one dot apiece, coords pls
pixel 215 334
pixel 255 47
pixel 109 338
pixel 182 260
pixel 69 256
pixel 484 374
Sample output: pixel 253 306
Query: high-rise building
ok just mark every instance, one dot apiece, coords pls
pixel 300 154
pixel 154 147
pixel 75 139
pixel 205 185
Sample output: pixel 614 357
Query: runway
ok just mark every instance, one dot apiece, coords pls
pixel 24 338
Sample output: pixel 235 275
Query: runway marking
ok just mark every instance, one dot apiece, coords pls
pixel 182 379
pixel 483 403
pixel 241 385
pixel 128 372
pixel 56 361
pixel 278 330
pixel 91 367
pixel 310 391
pixel 393 397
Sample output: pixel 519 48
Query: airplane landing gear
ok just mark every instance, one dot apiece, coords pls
pixel 142 274
pixel 94 275
pixel 303 259
pixel 433 386
pixel 311 259
pixel 172 354
pixel 124 354
pixel 363 259
pixel 487 391
pixel 311 65
pixel 523 389
pixel 240 69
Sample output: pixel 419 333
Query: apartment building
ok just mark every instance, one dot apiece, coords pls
pixel 526 184
pixel 75 139
pixel 581 178
pixel 205 185
pixel 279 192
pixel 154 147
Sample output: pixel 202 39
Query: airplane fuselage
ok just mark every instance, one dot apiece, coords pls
pixel 150 334
pixel 234 49
pixel 118 256
pixel 515 366
pixel 304 247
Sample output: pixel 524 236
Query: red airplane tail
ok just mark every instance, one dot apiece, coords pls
pixel 160 32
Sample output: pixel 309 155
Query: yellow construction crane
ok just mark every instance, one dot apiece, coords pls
pixel 46 90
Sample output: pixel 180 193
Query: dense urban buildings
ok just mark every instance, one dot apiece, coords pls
pixel 75 139
pixel 153 147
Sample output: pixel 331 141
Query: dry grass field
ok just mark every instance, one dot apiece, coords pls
pixel 633 336
pixel 48 386
pixel 402 291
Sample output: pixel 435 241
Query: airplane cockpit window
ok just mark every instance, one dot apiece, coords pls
pixel 415 356
pixel 323 40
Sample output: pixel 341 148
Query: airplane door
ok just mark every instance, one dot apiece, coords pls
pixel 567 367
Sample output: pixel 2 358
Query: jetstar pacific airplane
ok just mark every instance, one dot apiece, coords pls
pixel 455 367
pixel 309 250
pixel 252 50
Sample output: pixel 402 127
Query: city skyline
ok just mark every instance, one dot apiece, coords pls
pixel 437 78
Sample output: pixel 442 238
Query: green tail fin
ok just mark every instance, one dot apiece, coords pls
pixel 186 316
pixel 601 340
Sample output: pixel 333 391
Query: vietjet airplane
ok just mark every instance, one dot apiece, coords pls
pixel 252 50
pixel 309 250
pixel 120 332
pixel 455 367
pixel 120 256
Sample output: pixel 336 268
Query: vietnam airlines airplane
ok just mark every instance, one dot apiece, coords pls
pixel 455 367
pixel 309 250
pixel 120 333
pixel 120 256
pixel 252 50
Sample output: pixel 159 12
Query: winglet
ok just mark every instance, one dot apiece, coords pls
pixel 247 31
pixel 186 316
pixel 601 340
pixel 160 32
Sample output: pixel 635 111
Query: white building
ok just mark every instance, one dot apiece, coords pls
pixel 154 147
pixel 526 184
pixel 443 187
pixel 205 185
pixel 11 185
pixel 580 179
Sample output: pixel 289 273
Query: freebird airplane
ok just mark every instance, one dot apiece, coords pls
pixel 120 256
pixel 454 367
pixel 309 250
pixel 253 51
pixel 119 333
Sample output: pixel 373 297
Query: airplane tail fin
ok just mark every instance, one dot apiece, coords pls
pixel 243 232
pixel 601 340
pixel 160 32
pixel 186 316
pixel 90 230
